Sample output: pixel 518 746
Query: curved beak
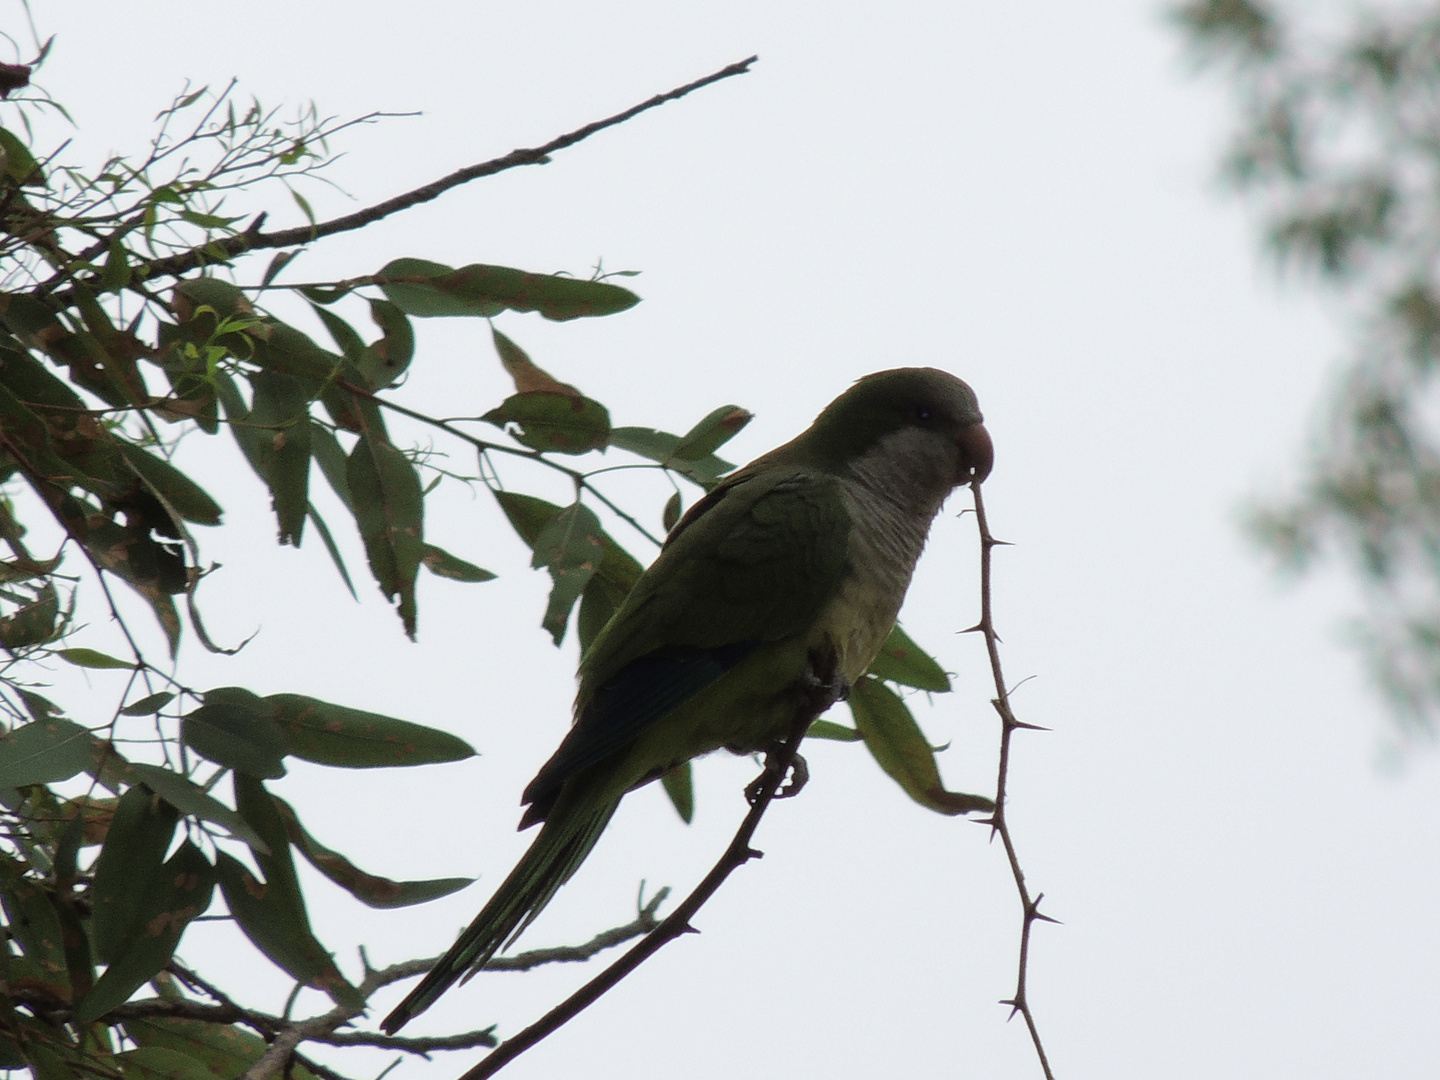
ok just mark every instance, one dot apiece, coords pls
pixel 977 452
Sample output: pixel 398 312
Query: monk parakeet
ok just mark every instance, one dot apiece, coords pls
pixel 806 551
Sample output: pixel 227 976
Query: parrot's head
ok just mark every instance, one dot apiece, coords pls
pixel 921 422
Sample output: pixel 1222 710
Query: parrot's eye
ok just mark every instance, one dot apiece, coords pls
pixel 922 413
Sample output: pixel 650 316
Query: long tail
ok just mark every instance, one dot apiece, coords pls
pixel 564 842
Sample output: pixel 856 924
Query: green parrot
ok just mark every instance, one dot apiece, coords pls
pixel 806 551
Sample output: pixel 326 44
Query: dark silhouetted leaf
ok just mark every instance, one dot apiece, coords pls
pixel 149 705
pixel 225 1050
pixel 237 729
pixel 660 446
pixel 484 291
pixel 187 498
pixel 901 661
pixel 349 738
pixel 388 506
pixel 679 784
pixel 161 1063
pixel 377 892
pixel 570 548
pixel 332 549
pixel 280 416
pixel 33 922
pixel 33 623
pixel 670 516
pixel 43 752
pixel 897 743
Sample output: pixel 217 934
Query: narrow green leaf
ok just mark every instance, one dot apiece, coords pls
pixel 670 517
pixel 330 734
pixel 304 205
pixel 149 705
pixel 825 729
pixel 176 895
pixel 679 784
pixel 237 729
pixel 432 289
pixel 272 913
pixel 278 262
pixel 90 658
pixel 901 661
pixel 376 892
pixel 20 163
pixel 711 433
pixel 43 752
pixel 190 798
pixel 188 499
pixel 330 456
pixel 388 506
pixel 282 406
pixel 661 447
pixel 386 360
pixel 131 857
pixel 897 743
pixel 33 923
pixel 115 275
pixel 441 563
pixel 332 549
pixel 548 421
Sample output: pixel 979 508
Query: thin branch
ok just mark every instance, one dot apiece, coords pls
pixel 254 241
pixel 1020 1003
pixel 777 764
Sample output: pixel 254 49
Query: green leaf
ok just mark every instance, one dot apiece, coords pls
pixel 441 563
pixel 330 456
pixel 825 729
pixel 901 661
pixel 115 275
pixel 225 1050
pixel 550 421
pixel 569 547
pixel 90 658
pixel 897 743
pixel 711 433
pixel 19 164
pixel 670 516
pixel 350 738
pixel 132 855
pixel 43 752
pixel 161 1063
pixel 237 729
pixel 661 447
pixel 388 505
pixel 33 922
pixel 186 497
pixel 34 623
pixel 190 798
pixel 386 360
pixel 180 891
pixel 272 913
pixel 284 452
pixel 376 892
pixel 332 549
pixel 433 289
pixel 149 705
pixel 278 262
pixel 679 784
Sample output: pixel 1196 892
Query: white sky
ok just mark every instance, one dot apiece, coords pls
pixel 1019 193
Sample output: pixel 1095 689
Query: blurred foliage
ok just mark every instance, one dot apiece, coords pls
pixel 131 319
pixel 1338 141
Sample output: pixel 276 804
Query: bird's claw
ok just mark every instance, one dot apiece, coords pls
pixel 799 776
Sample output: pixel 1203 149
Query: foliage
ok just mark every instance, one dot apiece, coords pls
pixel 132 316
pixel 1339 142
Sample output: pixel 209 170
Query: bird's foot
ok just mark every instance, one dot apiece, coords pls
pixel 798 770
pixel 820 693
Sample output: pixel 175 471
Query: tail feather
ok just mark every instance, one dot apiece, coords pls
pixel 562 845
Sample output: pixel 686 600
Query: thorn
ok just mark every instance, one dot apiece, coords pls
pixel 983 821
pixel 1015 1007
pixel 1028 727
pixel 688 929
pixel 978 628
pixel 992 542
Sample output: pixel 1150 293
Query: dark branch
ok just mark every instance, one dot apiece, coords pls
pixel 1020 1003
pixel 254 240
pixel 819 698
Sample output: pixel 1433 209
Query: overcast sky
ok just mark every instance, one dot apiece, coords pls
pixel 1020 193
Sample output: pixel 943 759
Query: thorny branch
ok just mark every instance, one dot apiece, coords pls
pixel 1020 1002
pixel 777 766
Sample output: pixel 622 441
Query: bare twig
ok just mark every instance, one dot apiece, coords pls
pixel 214 250
pixel 1020 1002
pixel 739 852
